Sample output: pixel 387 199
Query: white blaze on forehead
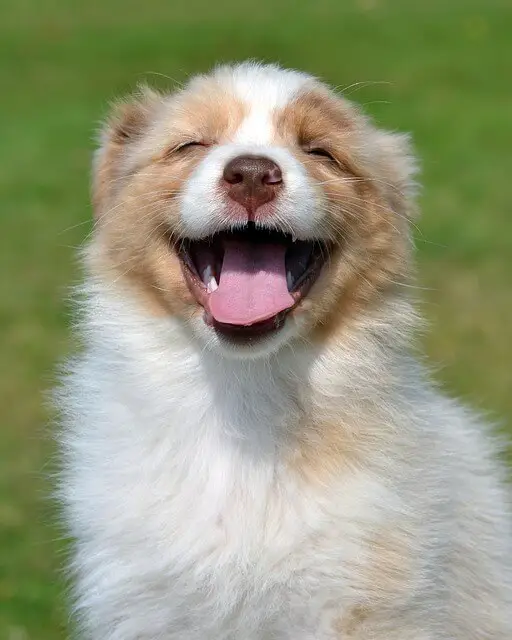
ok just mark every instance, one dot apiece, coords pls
pixel 263 90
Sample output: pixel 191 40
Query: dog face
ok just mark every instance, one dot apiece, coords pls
pixel 254 205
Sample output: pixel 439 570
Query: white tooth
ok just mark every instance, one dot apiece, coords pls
pixel 212 285
pixel 289 279
pixel 209 279
pixel 207 274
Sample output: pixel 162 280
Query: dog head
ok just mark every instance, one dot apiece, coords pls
pixel 254 205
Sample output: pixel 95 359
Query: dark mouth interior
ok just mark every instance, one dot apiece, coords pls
pixel 205 257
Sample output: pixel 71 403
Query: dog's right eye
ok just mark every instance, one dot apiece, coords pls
pixel 182 148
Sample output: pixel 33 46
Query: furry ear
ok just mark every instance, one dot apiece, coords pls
pixel 394 162
pixel 128 121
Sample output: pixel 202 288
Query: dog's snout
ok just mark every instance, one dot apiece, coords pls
pixel 252 180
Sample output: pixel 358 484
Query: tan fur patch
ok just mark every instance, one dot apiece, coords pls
pixel 316 119
pixel 390 566
pixel 321 450
pixel 385 578
pixel 206 112
pixel 349 625
pixel 127 121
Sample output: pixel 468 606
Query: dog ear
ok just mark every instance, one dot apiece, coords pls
pixel 393 161
pixel 129 119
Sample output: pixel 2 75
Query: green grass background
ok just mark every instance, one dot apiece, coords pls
pixel 438 68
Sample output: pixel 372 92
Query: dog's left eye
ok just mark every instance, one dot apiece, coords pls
pixel 189 145
pixel 318 151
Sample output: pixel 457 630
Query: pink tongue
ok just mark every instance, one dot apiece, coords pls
pixel 252 285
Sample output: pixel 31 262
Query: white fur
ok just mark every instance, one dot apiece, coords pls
pixel 262 90
pixel 190 525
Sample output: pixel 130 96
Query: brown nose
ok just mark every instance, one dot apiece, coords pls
pixel 252 181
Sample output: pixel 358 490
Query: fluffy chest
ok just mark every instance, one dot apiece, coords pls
pixel 192 469
pixel 211 536
pixel 214 505
pixel 208 505
pixel 181 479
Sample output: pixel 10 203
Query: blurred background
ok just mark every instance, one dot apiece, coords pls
pixel 441 69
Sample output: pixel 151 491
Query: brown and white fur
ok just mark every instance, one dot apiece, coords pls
pixel 310 484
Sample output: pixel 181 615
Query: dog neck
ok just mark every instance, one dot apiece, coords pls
pixel 256 404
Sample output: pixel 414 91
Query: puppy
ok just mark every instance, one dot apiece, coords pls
pixel 251 450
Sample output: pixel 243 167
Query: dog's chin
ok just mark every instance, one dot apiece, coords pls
pixel 250 347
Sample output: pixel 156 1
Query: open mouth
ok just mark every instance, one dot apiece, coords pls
pixel 249 279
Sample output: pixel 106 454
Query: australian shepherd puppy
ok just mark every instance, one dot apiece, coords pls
pixel 251 449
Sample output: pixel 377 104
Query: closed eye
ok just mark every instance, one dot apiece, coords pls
pixel 182 148
pixel 318 151
pixel 189 145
